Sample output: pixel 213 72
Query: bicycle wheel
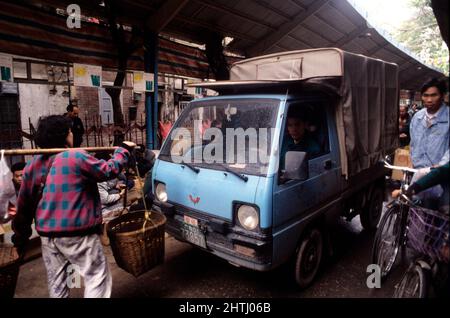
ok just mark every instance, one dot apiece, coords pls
pixel 388 239
pixel 414 283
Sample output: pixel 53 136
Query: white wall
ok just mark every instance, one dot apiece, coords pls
pixel 35 101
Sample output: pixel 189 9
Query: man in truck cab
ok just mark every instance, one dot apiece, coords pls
pixel 299 137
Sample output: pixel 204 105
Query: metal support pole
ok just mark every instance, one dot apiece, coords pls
pixel 155 93
pixel 151 99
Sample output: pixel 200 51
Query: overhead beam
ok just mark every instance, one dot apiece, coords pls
pixel 296 3
pixel 299 41
pixel 417 66
pixel 351 36
pixel 159 19
pixel 236 13
pixel 273 9
pixel 413 82
pixel 386 47
pixel 274 38
pixel 213 27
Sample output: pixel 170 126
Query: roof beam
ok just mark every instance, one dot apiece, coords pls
pixel 386 47
pixel 159 19
pixel 274 38
pixel 273 9
pixel 210 26
pixel 413 82
pixel 239 14
pixel 298 40
pixel 351 36
pixel 417 66
pixel 377 48
pixel 296 3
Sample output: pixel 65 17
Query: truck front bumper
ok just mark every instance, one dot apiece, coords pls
pixel 221 237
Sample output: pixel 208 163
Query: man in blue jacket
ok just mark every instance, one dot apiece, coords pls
pixel 429 129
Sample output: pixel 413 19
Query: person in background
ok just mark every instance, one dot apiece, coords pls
pixel 17 171
pixel 111 197
pixel 60 192
pixel 77 125
pixel 403 126
pixel 164 129
pixel 412 110
pixel 298 138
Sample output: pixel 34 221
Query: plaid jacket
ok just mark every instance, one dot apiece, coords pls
pixel 70 204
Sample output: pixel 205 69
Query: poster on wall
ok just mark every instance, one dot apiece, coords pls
pixel 143 82
pixel 87 75
pixel 6 68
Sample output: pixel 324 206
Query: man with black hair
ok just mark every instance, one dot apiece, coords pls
pixel 298 138
pixel 60 192
pixel 77 125
pixel 17 171
pixel 429 129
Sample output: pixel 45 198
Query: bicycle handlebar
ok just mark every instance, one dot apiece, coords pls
pixel 404 169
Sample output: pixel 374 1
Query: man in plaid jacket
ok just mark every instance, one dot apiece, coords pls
pixel 67 210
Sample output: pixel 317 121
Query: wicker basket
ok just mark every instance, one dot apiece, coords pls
pixel 137 241
pixel 428 232
pixel 9 270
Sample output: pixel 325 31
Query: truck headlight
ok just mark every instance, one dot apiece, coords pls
pixel 160 192
pixel 248 217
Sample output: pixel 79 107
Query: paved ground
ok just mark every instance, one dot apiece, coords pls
pixel 190 272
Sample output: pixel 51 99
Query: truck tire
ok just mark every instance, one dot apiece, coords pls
pixel 308 258
pixel 371 213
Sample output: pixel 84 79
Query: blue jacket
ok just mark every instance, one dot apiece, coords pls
pixel 430 145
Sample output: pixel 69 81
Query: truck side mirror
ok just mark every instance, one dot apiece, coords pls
pixel 296 165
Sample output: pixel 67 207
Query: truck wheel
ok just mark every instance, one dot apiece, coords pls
pixel 308 258
pixel 371 213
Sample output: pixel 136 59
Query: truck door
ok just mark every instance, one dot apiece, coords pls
pixel 293 198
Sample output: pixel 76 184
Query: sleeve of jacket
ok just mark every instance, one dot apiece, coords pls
pixel 105 197
pixel 436 176
pixel 412 143
pixel 445 158
pixel 102 170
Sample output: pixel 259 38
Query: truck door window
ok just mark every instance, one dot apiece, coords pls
pixel 306 130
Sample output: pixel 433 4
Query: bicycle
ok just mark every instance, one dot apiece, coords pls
pixel 390 237
pixel 427 235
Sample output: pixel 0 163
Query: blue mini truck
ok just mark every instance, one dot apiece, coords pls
pixel 259 174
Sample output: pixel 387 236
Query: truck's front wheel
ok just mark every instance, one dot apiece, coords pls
pixel 308 258
pixel 371 212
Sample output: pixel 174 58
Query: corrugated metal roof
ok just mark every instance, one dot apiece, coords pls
pixel 268 26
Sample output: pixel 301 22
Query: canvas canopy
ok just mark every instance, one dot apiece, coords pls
pixel 367 110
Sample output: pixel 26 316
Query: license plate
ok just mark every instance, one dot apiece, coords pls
pixel 193 235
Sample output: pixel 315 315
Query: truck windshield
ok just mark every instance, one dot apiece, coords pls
pixel 218 134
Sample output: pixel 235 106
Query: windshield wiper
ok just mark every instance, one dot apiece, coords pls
pixel 240 176
pixel 195 169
